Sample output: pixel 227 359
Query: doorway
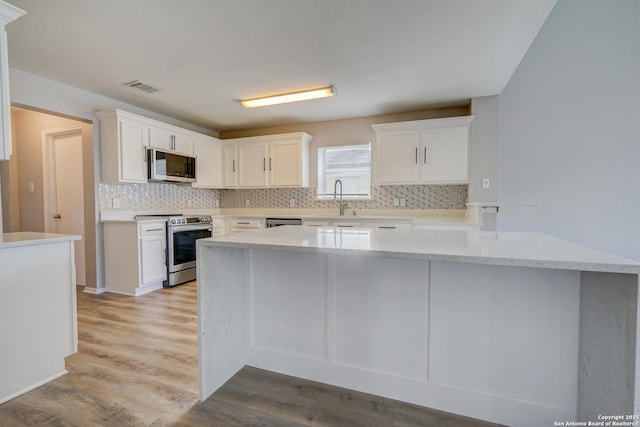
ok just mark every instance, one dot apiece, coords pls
pixel 51 173
pixel 64 188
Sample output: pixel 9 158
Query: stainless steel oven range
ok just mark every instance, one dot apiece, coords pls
pixel 182 233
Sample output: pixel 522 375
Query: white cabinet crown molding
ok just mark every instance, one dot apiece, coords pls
pixel 424 124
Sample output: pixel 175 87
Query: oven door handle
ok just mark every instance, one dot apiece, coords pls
pixel 180 228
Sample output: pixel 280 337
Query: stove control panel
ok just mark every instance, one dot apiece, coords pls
pixel 184 220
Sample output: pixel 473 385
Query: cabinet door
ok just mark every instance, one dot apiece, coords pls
pixel 284 164
pixel 183 143
pixel 208 163
pixel 252 159
pixel 170 139
pixel 397 157
pixel 445 155
pixel 230 165
pixel 153 267
pixel 133 151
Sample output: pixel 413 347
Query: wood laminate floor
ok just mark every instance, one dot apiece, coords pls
pixel 137 366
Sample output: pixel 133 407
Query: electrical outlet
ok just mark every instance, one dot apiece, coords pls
pixel 396 202
pixel 247 203
pixel 32 187
pixel 403 202
pixel 115 203
pixel 486 183
pixel 292 202
pixel 216 203
pixel 189 203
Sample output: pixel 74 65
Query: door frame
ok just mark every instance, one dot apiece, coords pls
pixel 49 172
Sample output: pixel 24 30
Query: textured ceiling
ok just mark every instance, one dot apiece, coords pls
pixel 383 56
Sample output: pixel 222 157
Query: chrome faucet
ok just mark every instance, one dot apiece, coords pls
pixel 335 193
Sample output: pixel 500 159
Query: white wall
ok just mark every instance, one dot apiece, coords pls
pixel 570 128
pixel 484 148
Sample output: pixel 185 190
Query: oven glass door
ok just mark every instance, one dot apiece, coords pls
pixel 184 246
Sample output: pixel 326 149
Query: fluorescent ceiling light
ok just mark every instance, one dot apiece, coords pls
pixel 289 97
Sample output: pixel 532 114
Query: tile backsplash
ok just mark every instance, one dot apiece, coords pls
pixel 156 197
pixel 167 197
pixel 416 196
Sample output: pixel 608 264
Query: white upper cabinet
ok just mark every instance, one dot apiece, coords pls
pixel 445 154
pixel 230 164
pixel 124 140
pixel 423 151
pixel 252 159
pixel 208 153
pixel 267 161
pixel 8 13
pixel 170 139
pixel 287 160
pixel 397 157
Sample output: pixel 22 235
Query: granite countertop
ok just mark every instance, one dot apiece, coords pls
pixel 414 216
pixel 27 238
pixel 501 248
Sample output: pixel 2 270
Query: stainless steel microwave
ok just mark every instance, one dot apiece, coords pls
pixel 172 167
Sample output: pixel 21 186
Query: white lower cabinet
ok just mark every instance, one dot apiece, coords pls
pixel 135 256
pixel 238 225
pixel 153 264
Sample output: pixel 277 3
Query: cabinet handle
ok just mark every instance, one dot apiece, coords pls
pixel 155 229
pixel 243 223
pixel 425 155
pixel 416 155
pixel 144 153
pixel 269 163
pixel 264 164
pixel 234 164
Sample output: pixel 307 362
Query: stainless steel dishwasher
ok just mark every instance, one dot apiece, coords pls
pixel 277 222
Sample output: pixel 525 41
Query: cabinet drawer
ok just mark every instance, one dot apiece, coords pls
pixel 244 224
pixel 389 225
pixel 315 223
pixel 152 228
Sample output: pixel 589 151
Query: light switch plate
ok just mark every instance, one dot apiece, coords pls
pixel 292 202
pixel 115 203
pixel 486 183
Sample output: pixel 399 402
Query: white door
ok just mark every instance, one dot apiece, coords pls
pixel 66 192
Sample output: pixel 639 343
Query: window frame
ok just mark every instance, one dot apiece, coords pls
pixel 327 194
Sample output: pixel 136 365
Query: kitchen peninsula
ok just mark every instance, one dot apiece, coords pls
pixel 521 329
pixel 37 309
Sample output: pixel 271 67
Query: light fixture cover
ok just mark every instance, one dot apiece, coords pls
pixel 289 97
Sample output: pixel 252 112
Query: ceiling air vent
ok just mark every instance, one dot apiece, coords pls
pixel 137 84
